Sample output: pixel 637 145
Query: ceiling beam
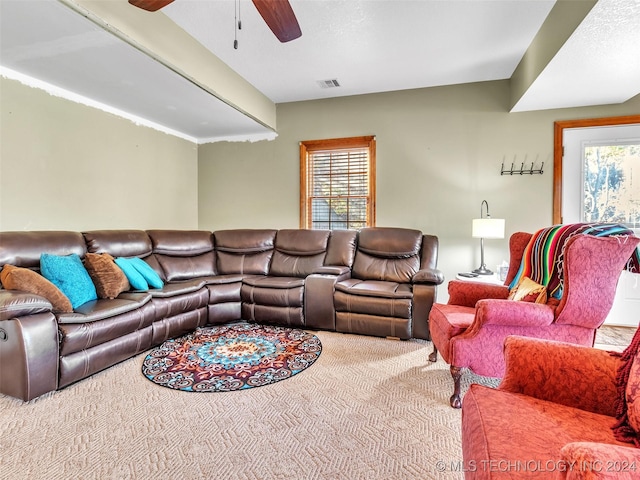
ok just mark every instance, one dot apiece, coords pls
pixel 562 21
pixel 159 37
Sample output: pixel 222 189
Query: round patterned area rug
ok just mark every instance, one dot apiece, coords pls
pixel 231 357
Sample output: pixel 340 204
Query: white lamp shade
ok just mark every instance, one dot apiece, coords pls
pixel 488 228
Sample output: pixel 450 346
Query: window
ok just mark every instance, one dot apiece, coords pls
pixel 611 179
pixel 337 183
pixel 581 187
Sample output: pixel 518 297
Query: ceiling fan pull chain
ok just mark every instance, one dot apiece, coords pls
pixel 237 24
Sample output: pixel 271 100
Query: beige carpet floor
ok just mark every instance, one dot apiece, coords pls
pixel 369 408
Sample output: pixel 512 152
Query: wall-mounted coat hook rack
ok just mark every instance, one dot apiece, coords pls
pixel 522 170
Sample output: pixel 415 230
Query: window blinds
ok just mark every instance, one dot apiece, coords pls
pixel 338 188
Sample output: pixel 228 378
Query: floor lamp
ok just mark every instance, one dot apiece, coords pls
pixel 486 227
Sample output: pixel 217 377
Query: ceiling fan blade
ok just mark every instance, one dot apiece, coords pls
pixel 279 17
pixel 150 5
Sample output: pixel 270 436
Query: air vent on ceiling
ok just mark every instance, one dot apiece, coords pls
pixel 333 83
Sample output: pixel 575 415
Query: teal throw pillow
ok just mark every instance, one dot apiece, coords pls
pixel 69 275
pixel 149 274
pixel 136 280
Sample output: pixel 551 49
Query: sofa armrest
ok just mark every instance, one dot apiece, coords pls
pixel 319 311
pixel 572 375
pixel 428 275
pixel 509 312
pixel 600 461
pixel 467 294
pixel 332 270
pixel 29 356
pixel 14 303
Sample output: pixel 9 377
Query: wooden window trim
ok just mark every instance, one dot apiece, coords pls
pixel 558 153
pixel 309 146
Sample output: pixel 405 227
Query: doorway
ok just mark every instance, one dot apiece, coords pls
pixel 597 178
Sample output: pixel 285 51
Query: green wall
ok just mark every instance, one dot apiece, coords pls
pixel 439 154
pixel 66 166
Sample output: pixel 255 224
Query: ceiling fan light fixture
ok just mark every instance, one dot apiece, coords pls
pixel 280 18
pixel 277 14
pixel 150 5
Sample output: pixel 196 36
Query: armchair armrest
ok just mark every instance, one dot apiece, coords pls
pixel 467 294
pixel 428 275
pixel 600 461
pixel 509 312
pixel 572 375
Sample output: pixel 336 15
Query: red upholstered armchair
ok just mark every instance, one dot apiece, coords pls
pixel 469 331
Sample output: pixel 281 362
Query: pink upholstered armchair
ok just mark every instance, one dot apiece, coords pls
pixel 469 331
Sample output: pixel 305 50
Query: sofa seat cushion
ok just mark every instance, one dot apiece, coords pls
pixel 274 282
pixel 373 307
pixel 273 300
pixel 105 308
pixel 179 298
pixel 513 428
pixel 174 289
pixel 375 288
pixel 75 337
pixel 223 279
pixel 447 322
pixel 276 291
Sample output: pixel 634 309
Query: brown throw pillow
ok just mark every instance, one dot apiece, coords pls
pixel 528 291
pixel 18 278
pixel 109 279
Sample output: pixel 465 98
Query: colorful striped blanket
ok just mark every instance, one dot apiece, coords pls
pixel 542 259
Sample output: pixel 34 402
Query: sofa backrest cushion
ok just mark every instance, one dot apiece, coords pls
pixel 23 249
pixel 181 243
pixel 299 252
pixel 119 243
pixel 387 254
pixel 342 248
pixel 183 254
pixel 244 251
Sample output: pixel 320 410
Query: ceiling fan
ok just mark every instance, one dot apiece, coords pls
pixel 277 14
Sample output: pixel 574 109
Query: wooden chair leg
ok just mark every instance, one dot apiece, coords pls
pixel 433 356
pixel 456 373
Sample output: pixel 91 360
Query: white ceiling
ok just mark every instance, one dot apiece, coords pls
pixel 49 42
pixel 367 45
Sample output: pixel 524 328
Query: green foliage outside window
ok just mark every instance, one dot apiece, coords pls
pixel 612 184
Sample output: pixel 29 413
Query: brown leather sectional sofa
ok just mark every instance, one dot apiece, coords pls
pixel 378 281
